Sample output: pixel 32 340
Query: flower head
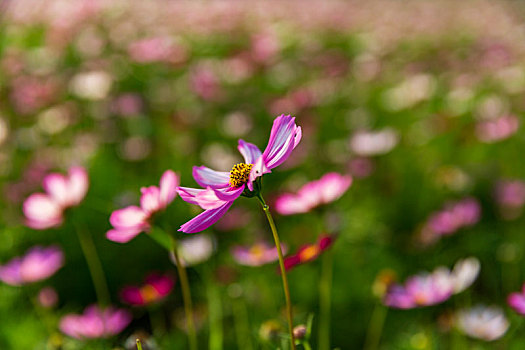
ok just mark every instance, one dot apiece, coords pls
pixel 45 210
pixel 309 252
pixel 37 264
pixel 130 221
pixel 323 191
pixel 95 323
pixel 486 323
pixel 517 301
pixel 155 288
pixel 221 188
pixel 260 253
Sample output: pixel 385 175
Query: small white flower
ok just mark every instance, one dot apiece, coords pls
pixel 195 250
pixel 482 322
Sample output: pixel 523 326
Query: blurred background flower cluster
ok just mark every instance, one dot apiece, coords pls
pixel 418 105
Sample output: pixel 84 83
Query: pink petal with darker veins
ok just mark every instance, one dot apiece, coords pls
pixel 208 177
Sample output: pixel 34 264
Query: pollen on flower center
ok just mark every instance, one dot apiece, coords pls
pixel 239 174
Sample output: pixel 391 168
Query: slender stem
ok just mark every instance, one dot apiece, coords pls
pixel 266 210
pixel 242 324
pixel 186 296
pixel 325 295
pixel 375 328
pixel 94 266
pixel 139 344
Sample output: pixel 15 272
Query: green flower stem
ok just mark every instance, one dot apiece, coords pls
pixel 94 266
pixel 215 312
pixel 186 296
pixel 241 321
pixel 325 288
pixel 289 313
pixel 139 344
pixel 375 328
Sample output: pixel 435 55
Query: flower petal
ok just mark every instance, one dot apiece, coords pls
pixel 208 199
pixel 284 137
pixel 78 185
pixel 122 235
pixel 249 151
pixel 168 187
pixel 188 194
pixel 208 177
pixel 56 186
pixel 42 212
pixel 131 217
pixel 205 219
pixel 150 199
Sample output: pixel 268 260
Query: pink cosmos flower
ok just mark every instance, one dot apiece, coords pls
pixel 155 288
pixel 221 189
pixel 517 301
pixel 309 252
pixel 130 221
pixel 260 253
pixel 37 264
pixel 327 189
pixel 45 210
pixel 95 323
pixel 498 129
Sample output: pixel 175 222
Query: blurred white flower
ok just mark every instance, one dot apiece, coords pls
pixel 194 250
pixel 482 322
pixel 464 273
pixel 91 85
pixel 369 143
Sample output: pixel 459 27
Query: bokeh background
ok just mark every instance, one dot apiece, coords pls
pixel 421 102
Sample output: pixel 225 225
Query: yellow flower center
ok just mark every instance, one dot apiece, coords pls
pixel 239 174
pixel 149 293
pixel 309 253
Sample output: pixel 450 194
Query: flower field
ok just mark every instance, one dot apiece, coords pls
pixel 262 175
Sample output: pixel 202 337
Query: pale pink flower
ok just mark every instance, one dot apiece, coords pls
pixel 47 297
pixel 486 323
pixel 95 323
pixel 490 131
pixel 130 221
pixel 327 189
pixel 260 253
pixel 37 264
pixel 45 210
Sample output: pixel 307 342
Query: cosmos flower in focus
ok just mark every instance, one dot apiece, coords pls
pixel 45 210
pixel 194 250
pixel 309 252
pixel 517 301
pixel 155 288
pixel 260 253
pixel 433 288
pixel 482 322
pixel 130 221
pixel 327 189
pixel 221 189
pixel 95 323
pixel 37 264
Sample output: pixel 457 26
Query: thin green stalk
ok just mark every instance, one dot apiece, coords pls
pixel 94 266
pixel 215 313
pixel 186 296
pixel 241 323
pixel 375 328
pixel 289 313
pixel 325 288
pixel 139 344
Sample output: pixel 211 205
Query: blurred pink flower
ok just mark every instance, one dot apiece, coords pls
pixel 204 82
pixel 309 252
pixel 128 104
pixel 223 188
pixel 45 210
pixel 156 49
pixel 510 196
pixel 47 297
pixel 517 301
pixel 155 288
pixel 95 323
pixel 327 189
pixel 497 129
pixel 265 46
pixel 130 221
pixel 29 94
pixel 37 264
pixel 453 217
pixel 260 253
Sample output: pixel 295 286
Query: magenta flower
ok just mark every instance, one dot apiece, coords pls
pixel 221 189
pixel 155 288
pixel 309 252
pixel 517 301
pixel 420 290
pixel 45 210
pixel 130 221
pixel 327 189
pixel 260 253
pixel 95 323
pixel 37 264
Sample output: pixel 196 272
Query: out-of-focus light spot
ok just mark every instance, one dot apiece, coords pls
pixel 459 101
pixel 218 156
pixel 4 130
pixel 92 85
pixel 410 92
pixel 419 341
pixel 135 148
pixel 508 253
pixel 53 120
pixel 491 107
pixel 369 143
pixel 512 79
pixel 237 124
